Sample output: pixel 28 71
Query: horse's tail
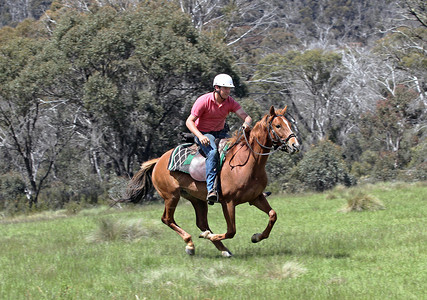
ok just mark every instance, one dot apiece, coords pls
pixel 140 184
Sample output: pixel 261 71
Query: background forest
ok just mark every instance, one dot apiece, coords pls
pixel 89 89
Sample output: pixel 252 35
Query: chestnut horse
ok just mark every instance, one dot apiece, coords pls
pixel 242 179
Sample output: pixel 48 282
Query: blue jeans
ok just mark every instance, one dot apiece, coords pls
pixel 212 156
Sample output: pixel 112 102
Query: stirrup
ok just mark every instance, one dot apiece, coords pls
pixel 212 197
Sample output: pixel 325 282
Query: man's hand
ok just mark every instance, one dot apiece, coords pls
pixel 204 140
pixel 192 126
pixel 246 127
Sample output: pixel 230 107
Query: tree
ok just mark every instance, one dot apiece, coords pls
pixel 308 81
pixel 417 9
pixel 118 84
pixel 392 119
pixel 14 11
pixel 231 21
pixel 135 74
pixel 32 130
pixel 404 45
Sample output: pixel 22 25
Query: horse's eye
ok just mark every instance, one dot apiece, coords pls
pixel 278 126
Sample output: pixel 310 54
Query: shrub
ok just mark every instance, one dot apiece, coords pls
pixel 385 166
pixel 11 186
pixel 418 164
pixel 85 192
pixel 365 165
pixel 12 193
pixel 279 170
pixel 323 167
pixel 72 208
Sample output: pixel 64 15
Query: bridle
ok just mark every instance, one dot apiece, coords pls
pixel 278 142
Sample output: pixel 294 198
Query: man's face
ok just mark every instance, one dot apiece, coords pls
pixel 224 91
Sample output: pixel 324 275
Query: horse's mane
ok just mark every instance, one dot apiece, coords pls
pixel 237 136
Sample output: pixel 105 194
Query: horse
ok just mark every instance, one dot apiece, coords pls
pixel 242 180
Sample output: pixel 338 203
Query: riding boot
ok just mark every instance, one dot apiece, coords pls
pixel 213 194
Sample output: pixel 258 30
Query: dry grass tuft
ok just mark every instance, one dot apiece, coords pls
pixel 36 217
pixel 336 192
pixel 290 269
pixel 362 202
pixel 116 230
pixel 337 281
pixel 221 274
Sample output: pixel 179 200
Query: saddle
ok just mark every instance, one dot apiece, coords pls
pixel 189 159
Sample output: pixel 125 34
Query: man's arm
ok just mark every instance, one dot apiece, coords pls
pixel 191 125
pixel 245 118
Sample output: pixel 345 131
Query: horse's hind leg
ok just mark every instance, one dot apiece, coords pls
pixel 168 219
pixel 201 209
pixel 262 203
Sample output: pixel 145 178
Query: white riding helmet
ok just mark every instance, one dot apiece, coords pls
pixel 223 80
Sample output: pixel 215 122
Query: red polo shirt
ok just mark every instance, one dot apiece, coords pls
pixel 211 116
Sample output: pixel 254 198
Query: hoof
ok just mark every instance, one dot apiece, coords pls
pixel 256 238
pixel 190 250
pixel 227 254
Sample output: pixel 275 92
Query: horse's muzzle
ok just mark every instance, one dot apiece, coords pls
pixel 291 149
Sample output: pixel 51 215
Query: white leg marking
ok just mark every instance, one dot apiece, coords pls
pixel 206 235
pixel 227 254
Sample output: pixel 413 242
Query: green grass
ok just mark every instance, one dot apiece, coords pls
pixel 315 251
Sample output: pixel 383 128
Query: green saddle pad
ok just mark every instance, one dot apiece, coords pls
pixel 183 154
pixel 181 157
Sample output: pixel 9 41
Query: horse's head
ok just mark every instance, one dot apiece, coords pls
pixel 280 132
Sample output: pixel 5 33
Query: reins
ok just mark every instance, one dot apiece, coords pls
pixel 262 146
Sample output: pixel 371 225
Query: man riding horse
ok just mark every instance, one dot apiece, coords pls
pixel 206 122
pixel 243 176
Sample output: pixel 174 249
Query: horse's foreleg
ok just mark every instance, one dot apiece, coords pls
pixel 229 214
pixel 262 203
pixel 201 209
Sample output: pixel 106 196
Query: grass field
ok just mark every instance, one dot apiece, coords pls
pixel 314 252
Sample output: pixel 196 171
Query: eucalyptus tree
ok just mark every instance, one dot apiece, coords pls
pixel 32 129
pixel 398 120
pixel 14 11
pixel 403 49
pixel 416 10
pixel 117 85
pixel 390 128
pixel 307 81
pixel 135 73
pixel 403 55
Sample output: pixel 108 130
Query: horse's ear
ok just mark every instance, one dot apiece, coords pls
pixel 272 111
pixel 284 110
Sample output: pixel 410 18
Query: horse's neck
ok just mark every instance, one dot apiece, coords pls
pixel 260 144
pixel 252 150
